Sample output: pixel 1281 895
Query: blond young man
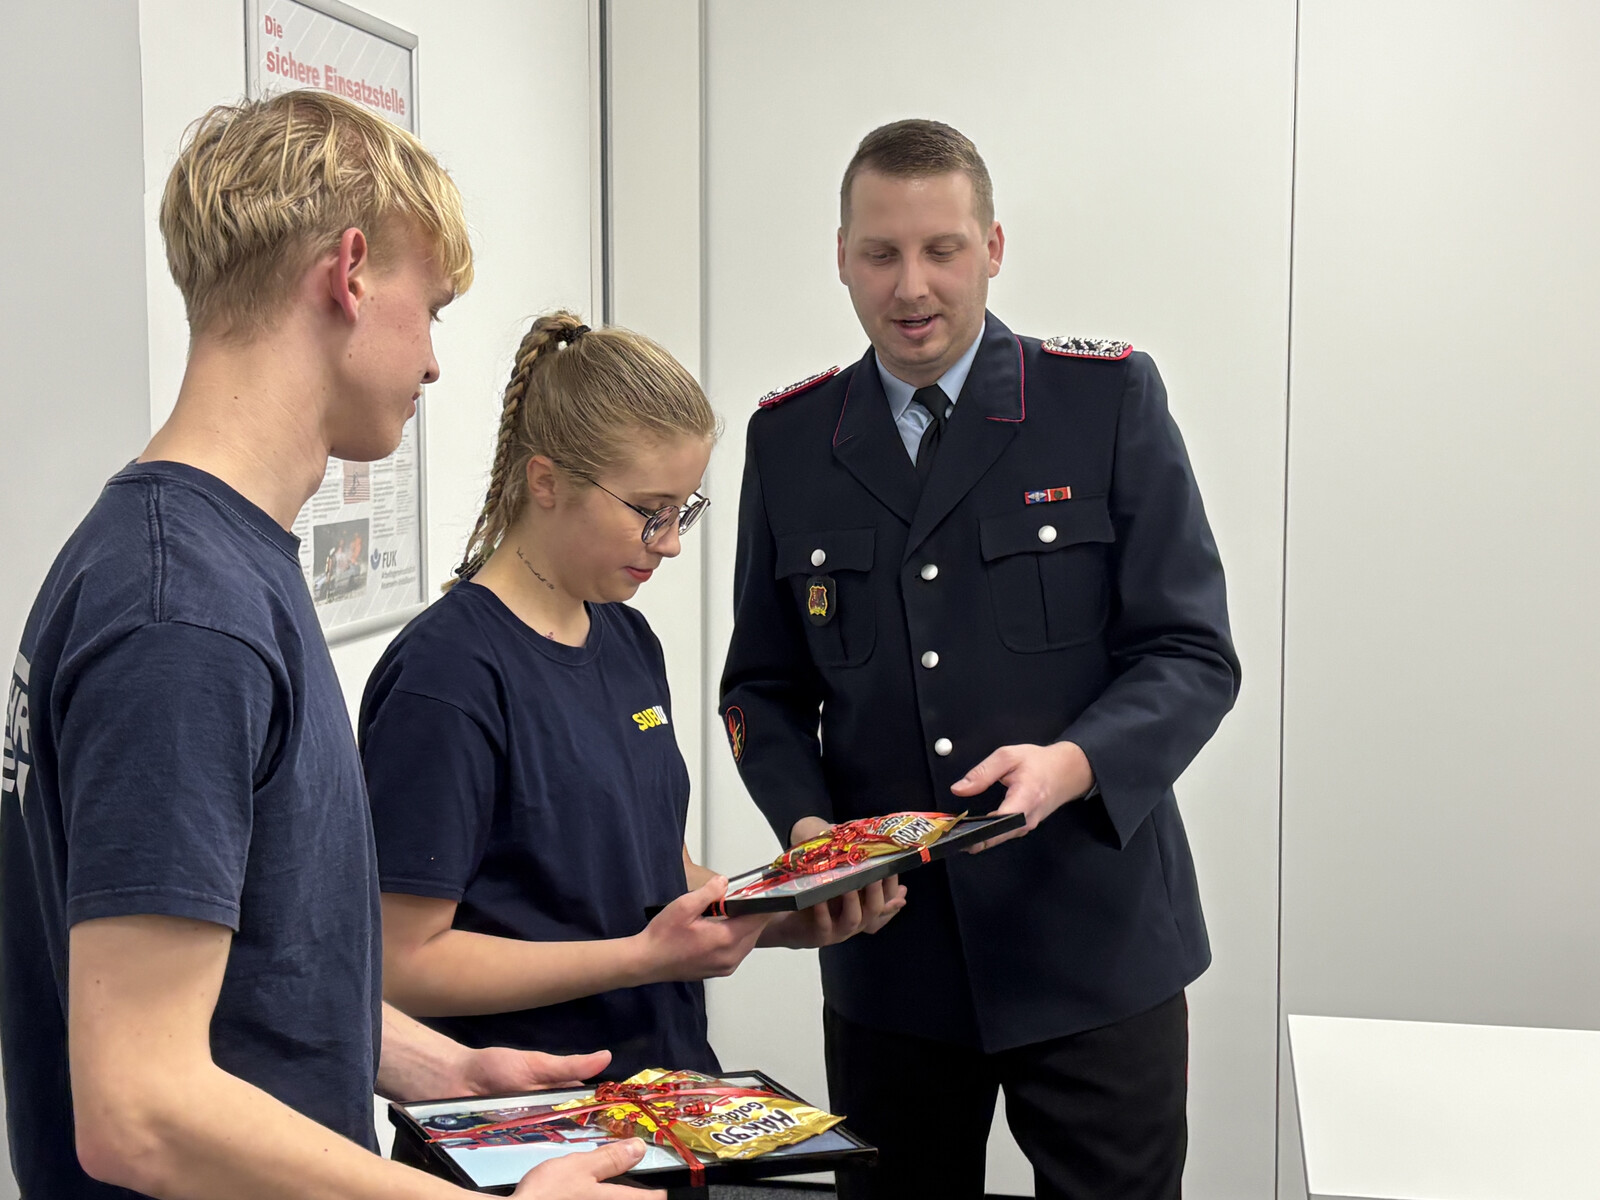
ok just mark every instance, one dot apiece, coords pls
pixel 190 916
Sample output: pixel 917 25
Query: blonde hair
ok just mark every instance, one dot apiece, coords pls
pixel 915 149
pixel 263 187
pixel 584 399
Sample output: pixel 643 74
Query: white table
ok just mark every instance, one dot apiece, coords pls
pixel 1415 1110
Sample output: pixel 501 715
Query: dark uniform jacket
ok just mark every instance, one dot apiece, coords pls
pixel 1100 619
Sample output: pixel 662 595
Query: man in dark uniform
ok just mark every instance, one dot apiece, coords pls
pixel 974 572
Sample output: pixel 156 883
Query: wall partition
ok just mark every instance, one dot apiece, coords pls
pixel 1442 661
pixel 1356 239
pixel 1141 159
pixel 74 398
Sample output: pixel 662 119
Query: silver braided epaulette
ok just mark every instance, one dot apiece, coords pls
pixel 1078 347
pixel 774 398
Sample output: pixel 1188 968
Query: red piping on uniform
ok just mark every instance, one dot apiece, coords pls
pixel 773 399
pixel 842 407
pixel 1022 387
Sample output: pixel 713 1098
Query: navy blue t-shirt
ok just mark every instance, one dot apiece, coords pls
pixel 177 745
pixel 540 787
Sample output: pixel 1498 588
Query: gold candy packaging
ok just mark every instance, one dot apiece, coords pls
pixel 699 1114
pixel 869 837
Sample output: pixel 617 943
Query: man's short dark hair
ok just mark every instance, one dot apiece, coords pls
pixel 915 149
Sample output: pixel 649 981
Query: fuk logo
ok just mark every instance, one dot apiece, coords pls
pixel 821 600
pixel 19 742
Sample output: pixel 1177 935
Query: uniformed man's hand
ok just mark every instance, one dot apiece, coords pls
pixel 864 911
pixel 1038 780
pixel 807 828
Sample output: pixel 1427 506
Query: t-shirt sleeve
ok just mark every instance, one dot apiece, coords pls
pixel 163 740
pixel 431 779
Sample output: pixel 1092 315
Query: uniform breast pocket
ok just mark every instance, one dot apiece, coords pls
pixel 1049 572
pixel 830 575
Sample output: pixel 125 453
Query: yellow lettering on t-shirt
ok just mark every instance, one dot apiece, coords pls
pixel 650 718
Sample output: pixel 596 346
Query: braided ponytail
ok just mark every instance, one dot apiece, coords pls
pixel 580 398
pixel 499 510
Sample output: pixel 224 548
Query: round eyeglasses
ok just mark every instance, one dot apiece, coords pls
pixel 655 523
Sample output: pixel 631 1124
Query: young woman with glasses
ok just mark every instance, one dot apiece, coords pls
pixel 528 795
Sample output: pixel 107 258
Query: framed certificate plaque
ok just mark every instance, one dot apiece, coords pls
pixel 489 1143
pixel 766 890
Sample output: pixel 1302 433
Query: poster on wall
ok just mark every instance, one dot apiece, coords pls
pixel 363 534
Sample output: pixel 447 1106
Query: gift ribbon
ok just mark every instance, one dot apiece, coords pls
pixel 662 1103
pixel 847 844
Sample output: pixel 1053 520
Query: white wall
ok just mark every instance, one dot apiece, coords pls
pixel 1436 818
pixel 656 288
pixel 1440 825
pixel 1141 160
pixel 72 313
pixel 72 318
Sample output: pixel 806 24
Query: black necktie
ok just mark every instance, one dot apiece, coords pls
pixel 933 399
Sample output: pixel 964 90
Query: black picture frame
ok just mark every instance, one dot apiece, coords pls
pixel 967 832
pixel 412 1145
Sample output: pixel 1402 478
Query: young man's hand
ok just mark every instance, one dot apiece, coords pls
pixel 420 1063
pixel 578 1176
pixel 498 1070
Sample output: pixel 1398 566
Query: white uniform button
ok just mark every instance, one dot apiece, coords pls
pixel 1047 533
pixel 818 557
pixel 930 571
pixel 943 747
pixel 930 659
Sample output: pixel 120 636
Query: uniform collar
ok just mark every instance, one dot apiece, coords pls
pixel 867 444
pixel 900 392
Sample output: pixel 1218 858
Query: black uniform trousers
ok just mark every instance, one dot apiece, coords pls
pixel 1099 1114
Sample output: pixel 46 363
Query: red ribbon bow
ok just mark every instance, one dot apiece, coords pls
pixel 663 1102
pixel 846 845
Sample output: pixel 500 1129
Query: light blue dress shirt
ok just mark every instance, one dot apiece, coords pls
pixel 911 419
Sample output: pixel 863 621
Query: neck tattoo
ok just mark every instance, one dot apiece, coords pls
pixel 524 559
